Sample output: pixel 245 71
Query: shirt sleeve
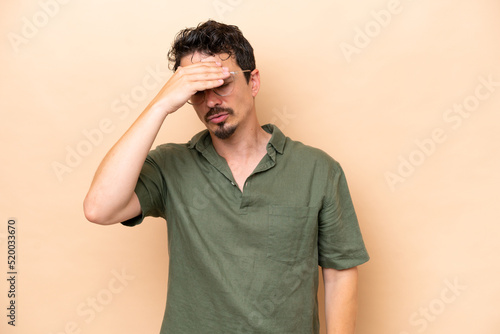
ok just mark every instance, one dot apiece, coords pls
pixel 340 243
pixel 150 189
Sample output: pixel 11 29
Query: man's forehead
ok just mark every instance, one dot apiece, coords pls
pixel 198 57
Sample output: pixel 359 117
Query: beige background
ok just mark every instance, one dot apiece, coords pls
pixel 381 93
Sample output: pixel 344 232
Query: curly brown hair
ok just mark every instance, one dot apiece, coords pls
pixel 213 38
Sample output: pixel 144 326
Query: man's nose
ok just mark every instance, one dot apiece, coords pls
pixel 212 99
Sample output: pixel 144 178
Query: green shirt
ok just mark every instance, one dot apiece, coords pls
pixel 247 262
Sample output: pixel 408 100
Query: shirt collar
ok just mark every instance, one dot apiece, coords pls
pixel 202 139
pixel 277 140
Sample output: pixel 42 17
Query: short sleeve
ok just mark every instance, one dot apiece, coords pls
pixel 340 243
pixel 150 189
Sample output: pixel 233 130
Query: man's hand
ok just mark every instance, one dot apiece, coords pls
pixel 188 80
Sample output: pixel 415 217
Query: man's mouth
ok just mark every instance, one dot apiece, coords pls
pixel 218 115
pixel 217 118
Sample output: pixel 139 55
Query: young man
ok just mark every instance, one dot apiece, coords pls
pixel 250 212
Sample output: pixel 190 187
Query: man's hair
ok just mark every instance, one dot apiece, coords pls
pixel 213 38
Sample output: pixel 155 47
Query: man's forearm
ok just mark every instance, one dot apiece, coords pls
pixel 340 300
pixel 111 197
pixel 114 182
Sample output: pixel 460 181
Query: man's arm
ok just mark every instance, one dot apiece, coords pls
pixel 340 299
pixel 111 198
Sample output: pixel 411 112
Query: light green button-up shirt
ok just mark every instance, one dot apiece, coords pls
pixel 247 262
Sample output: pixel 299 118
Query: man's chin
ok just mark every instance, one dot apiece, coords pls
pixel 224 131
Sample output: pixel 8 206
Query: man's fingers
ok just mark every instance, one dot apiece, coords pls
pixel 202 67
pixel 190 79
pixel 199 79
pixel 207 76
pixel 199 86
pixel 211 84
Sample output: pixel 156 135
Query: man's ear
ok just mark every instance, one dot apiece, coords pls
pixel 255 82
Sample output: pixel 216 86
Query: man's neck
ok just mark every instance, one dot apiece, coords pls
pixel 243 151
pixel 246 143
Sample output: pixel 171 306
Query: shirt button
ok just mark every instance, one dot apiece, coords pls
pixel 233 183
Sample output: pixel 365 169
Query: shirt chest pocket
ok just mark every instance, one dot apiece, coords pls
pixel 292 233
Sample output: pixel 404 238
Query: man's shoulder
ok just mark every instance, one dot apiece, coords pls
pixel 295 148
pixel 299 150
pixel 171 152
pixel 198 139
pixel 167 148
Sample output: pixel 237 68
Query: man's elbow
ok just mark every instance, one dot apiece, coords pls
pixel 94 213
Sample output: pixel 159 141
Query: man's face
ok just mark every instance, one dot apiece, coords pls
pixel 222 115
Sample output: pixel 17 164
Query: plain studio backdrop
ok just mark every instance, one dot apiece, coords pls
pixel 404 94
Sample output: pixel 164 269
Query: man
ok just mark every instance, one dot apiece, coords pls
pixel 250 213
